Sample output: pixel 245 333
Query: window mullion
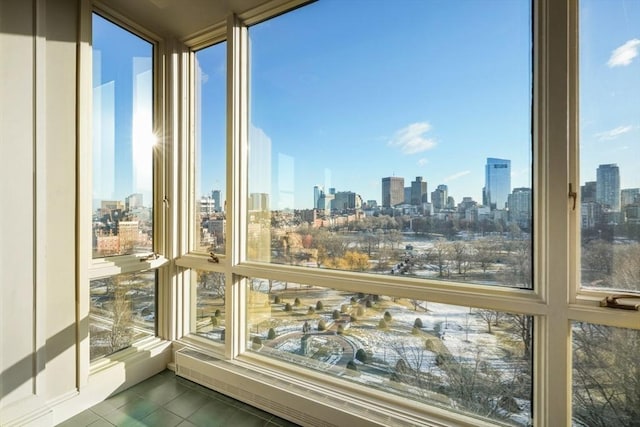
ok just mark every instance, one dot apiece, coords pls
pixel 237 120
pixel 553 337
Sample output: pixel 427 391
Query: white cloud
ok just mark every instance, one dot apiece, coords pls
pixel 613 133
pixel 412 139
pixel 624 54
pixel 422 162
pixel 456 176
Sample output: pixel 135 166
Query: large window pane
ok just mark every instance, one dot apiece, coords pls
pixel 208 315
pixel 210 158
pixel 609 137
pixel 123 311
pixel 123 141
pixel 606 375
pixel 476 361
pixel 394 139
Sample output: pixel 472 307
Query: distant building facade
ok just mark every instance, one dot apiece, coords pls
pixel 497 183
pixel 392 191
pixel 608 186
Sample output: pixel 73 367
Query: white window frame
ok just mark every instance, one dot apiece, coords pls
pixel 556 300
pixel 88 268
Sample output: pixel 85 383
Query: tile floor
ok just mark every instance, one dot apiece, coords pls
pixel 168 400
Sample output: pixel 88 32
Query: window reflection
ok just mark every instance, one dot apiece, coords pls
pixel 210 148
pixel 123 141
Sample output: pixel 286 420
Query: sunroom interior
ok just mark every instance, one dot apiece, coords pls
pixel 251 299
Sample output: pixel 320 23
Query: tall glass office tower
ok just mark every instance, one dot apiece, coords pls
pixel 608 186
pixel 497 183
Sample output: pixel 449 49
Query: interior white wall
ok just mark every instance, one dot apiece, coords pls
pixel 37 220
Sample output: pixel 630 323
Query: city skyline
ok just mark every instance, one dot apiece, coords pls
pixel 437 122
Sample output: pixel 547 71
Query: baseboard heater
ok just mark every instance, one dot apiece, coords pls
pixel 287 400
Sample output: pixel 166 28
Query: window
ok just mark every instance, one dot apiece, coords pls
pixel 368 156
pixel 609 176
pixel 399 184
pixel 122 288
pixel 605 348
pixel 210 142
pixel 477 361
pixel 371 162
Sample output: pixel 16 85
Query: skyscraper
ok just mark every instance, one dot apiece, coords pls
pixel 608 186
pixel 215 195
pixel 418 190
pixel 392 191
pixel 439 197
pixel 317 193
pixel 497 183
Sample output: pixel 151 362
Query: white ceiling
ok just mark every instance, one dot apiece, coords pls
pixel 180 18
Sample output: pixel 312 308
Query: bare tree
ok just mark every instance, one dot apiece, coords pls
pixel 121 329
pixel 490 317
pixel 438 255
pixel 522 325
pixel 606 376
pixel 485 253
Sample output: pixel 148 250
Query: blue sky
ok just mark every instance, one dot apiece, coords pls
pixel 122 113
pixel 361 90
pixel 610 88
pixel 344 93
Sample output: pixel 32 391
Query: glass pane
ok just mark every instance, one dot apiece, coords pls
pixel 123 141
pixel 210 148
pixel 208 315
pixel 372 147
pixel 476 361
pixel 606 376
pixel 123 311
pixel 609 131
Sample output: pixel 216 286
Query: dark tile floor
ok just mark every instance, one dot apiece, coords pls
pixel 166 400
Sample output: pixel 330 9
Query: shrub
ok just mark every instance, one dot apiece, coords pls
pixel 353 300
pixel 361 355
pixel 214 321
pixel 382 324
pixel 387 316
pixel 344 308
pixel 352 365
pixel 276 299
pixel 360 295
pixel 271 334
pixel 296 302
pixel 319 305
pixel 418 323
pixel 287 307
pixel 311 310
pixel 401 366
pixel 442 359
pixel 335 315
pixel 322 325
pixel 368 304
pixel 217 313
pixel 340 330
pixel 429 345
